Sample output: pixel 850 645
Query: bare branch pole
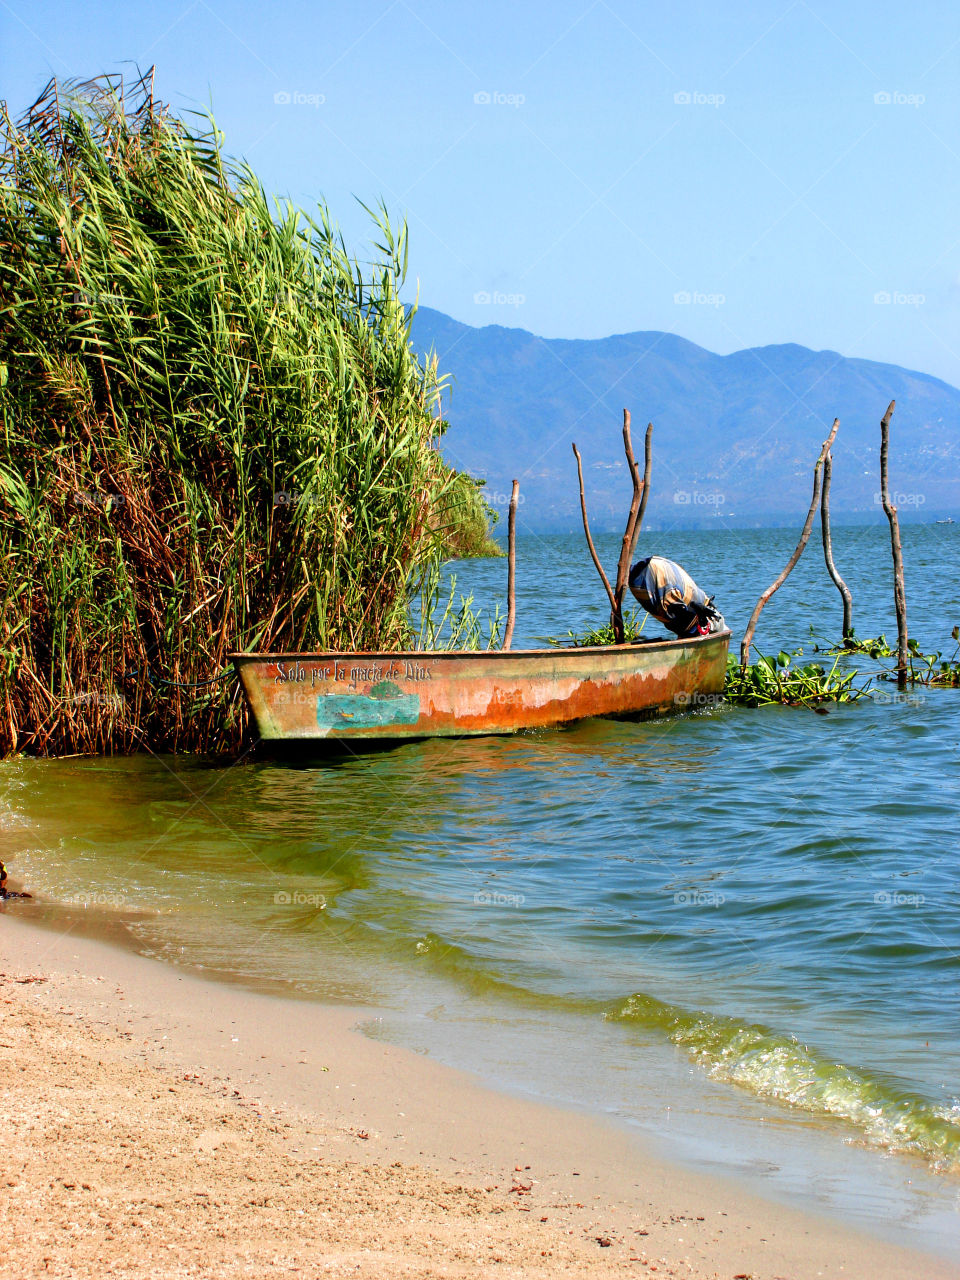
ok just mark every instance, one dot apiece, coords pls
pixel 828 548
pixel 511 566
pixel 647 468
pixel 638 504
pixel 641 490
pixel 804 539
pixel 899 595
pixel 626 546
pixel 586 529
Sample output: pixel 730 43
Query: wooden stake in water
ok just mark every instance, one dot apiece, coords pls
pixel 804 539
pixel 511 566
pixel 828 549
pixel 899 595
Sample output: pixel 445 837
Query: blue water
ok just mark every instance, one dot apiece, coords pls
pixel 756 912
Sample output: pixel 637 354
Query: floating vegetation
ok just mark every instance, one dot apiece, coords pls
pixel 930 668
pixel 922 668
pixel 877 647
pixel 775 681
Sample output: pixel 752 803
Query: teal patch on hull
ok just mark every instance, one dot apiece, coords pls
pixel 357 711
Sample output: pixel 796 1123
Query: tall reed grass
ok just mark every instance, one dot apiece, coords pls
pixel 216 434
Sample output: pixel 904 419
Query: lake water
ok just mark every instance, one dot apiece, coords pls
pixel 738 930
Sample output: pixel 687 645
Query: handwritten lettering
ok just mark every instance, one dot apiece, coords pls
pixel 295 675
pixel 354 674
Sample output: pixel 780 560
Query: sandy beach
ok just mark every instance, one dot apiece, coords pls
pixel 156 1124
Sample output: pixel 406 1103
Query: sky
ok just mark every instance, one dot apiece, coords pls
pixel 737 173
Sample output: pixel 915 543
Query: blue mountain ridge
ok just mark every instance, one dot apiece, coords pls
pixel 735 437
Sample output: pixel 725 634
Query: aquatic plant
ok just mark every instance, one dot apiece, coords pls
pixel 446 624
pixel 633 623
pixel 216 433
pixel 773 680
pixel 930 668
pixel 948 672
pixel 922 668
pixel 873 647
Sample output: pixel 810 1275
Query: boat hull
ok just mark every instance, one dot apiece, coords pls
pixel 390 696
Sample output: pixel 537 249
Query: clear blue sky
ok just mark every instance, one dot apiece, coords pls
pixel 578 191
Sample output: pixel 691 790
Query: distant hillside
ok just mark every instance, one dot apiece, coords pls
pixel 735 437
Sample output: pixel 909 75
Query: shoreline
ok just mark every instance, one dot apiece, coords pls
pixel 498 1182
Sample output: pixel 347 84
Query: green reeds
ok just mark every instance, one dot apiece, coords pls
pixel 444 624
pixel 466 519
pixel 216 434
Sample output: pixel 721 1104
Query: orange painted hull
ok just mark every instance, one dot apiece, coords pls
pixel 389 696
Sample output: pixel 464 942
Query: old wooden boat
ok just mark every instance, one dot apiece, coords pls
pixel 347 697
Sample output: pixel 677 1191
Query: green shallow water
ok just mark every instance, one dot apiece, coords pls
pixel 756 912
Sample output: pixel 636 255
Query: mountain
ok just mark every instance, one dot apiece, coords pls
pixel 734 440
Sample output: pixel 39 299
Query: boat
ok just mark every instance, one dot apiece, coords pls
pixel 367 697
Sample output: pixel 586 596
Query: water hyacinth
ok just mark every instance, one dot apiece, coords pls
pixel 216 434
pixel 772 681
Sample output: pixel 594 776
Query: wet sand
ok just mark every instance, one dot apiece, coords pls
pixel 159 1125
